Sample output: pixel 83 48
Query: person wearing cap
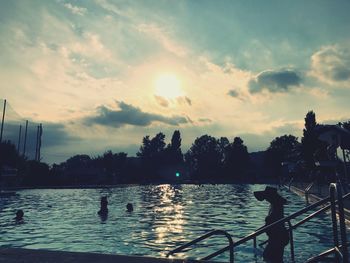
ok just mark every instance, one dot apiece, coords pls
pixel 278 236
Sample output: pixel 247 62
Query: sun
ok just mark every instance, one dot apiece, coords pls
pixel 168 86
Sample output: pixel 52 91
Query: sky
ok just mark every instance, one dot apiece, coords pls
pixel 102 74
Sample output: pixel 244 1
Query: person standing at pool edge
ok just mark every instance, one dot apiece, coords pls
pixel 278 236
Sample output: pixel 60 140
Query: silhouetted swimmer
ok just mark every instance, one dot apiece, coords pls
pixel 278 236
pixel 19 216
pixel 103 209
pixel 129 207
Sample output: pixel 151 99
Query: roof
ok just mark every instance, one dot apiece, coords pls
pixel 334 133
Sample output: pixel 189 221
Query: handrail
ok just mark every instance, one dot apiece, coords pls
pixel 326 253
pixel 253 235
pixel 283 220
pixel 344 250
pixel 339 250
pixel 205 236
pixel 308 188
pixel 265 228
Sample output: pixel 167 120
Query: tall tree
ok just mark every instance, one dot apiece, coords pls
pixel 8 154
pixel 77 161
pixel 173 151
pixel 283 148
pixel 204 157
pixel 152 154
pixel 309 140
pixel 236 159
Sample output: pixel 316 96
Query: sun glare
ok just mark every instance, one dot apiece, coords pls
pixel 168 86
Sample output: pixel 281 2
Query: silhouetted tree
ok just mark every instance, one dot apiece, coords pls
pixel 108 162
pixel 173 153
pixel 152 154
pixel 77 161
pixel 112 164
pixel 313 149
pixel 204 157
pixel 309 140
pixel 236 159
pixel 223 143
pixel 345 125
pixel 283 148
pixel 36 174
pixel 8 154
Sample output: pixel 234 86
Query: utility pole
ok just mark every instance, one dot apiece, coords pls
pixel 345 165
pixel 37 142
pixel 19 137
pixel 25 139
pixel 3 119
pixel 39 133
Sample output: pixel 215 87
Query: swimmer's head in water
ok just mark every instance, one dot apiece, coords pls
pixel 19 214
pixel 129 207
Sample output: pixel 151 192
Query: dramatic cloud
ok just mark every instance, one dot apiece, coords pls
pixel 56 134
pixel 331 64
pixel 274 81
pixel 128 114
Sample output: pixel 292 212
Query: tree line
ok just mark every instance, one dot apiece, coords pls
pixel 209 159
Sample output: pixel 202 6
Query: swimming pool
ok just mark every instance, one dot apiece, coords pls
pixel 164 217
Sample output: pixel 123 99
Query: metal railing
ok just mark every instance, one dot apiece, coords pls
pixel 340 250
pixel 207 235
pixel 308 188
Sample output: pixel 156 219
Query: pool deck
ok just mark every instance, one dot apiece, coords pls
pixel 21 255
pixel 316 193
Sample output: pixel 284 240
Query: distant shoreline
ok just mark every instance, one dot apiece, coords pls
pixel 130 184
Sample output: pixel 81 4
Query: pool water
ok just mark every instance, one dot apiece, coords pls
pixel 164 217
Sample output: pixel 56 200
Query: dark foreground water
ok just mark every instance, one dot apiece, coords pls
pixel 164 217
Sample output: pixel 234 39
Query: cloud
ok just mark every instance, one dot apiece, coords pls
pixel 54 134
pixel 233 93
pixel 274 81
pixel 261 141
pixel 160 35
pixel 164 102
pixel 131 115
pixel 161 101
pixel 205 120
pixel 184 100
pixel 114 9
pixel 331 64
pixel 75 9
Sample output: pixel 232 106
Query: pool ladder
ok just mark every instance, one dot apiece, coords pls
pixel 339 250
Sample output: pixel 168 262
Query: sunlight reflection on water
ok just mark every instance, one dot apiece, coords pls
pixel 164 217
